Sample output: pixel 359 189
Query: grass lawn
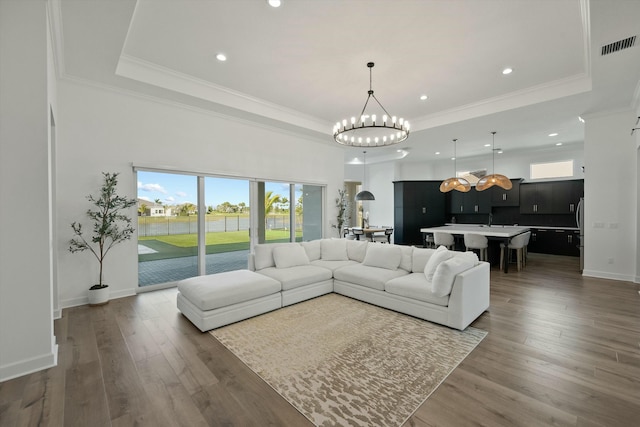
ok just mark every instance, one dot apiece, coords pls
pixel 181 245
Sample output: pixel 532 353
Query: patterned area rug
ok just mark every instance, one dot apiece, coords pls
pixel 344 362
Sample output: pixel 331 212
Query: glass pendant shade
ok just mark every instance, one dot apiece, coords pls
pixel 455 183
pixel 489 181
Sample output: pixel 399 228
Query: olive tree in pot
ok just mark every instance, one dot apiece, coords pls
pixel 110 227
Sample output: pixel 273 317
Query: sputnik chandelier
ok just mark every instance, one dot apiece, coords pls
pixel 371 130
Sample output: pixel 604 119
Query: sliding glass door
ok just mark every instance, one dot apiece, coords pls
pixel 167 227
pixel 190 225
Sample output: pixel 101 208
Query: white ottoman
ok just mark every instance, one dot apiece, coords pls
pixel 219 299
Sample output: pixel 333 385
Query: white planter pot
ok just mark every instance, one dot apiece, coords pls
pixel 98 296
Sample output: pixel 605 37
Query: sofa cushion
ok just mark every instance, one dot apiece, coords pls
pixel 447 270
pixel 415 286
pixel 295 277
pixel 312 248
pixel 334 249
pixel 263 254
pixel 357 249
pixel 364 275
pixel 332 265
pixel 419 260
pixel 441 254
pixel 383 256
pixel 290 256
pixel 406 262
pixel 222 289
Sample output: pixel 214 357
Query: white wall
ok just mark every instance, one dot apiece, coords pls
pixel 611 196
pixel 104 130
pixel 27 342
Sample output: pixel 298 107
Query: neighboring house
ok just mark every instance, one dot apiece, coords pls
pixel 152 209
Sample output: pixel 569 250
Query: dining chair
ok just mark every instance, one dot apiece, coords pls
pixel 384 237
pixel 357 232
pixel 518 244
pixel 479 242
pixel 444 239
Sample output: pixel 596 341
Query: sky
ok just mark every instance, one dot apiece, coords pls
pixel 176 189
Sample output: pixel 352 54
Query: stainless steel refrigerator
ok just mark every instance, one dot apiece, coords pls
pixel 580 224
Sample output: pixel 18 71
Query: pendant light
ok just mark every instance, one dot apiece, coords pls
pixel 489 181
pixel 364 194
pixel 455 183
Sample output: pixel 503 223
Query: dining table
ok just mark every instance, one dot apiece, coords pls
pixel 501 233
pixel 369 231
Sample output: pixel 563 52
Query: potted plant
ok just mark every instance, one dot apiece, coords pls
pixel 110 227
pixel 343 211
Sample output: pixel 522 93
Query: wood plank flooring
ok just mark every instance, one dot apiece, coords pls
pixel 562 350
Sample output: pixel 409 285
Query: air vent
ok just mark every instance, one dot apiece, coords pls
pixel 619 45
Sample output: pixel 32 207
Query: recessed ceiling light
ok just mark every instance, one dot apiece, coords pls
pixel 274 3
pixel 487 145
pixel 553 134
pixel 507 71
pixel 500 151
pixel 437 153
pixel 221 57
pixel 423 97
pixel 581 119
pixel 558 143
pixel 453 158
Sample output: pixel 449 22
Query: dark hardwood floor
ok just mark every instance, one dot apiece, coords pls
pixel 561 350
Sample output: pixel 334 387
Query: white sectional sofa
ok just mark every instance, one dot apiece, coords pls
pixel 446 287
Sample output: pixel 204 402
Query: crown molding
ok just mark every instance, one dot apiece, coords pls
pixel 176 104
pixel 156 75
pixel 572 85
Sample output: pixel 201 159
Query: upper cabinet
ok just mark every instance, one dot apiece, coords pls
pixel 557 197
pixel 502 197
pixel 472 202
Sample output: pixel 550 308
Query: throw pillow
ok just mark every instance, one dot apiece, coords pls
pixel 312 248
pixel 334 249
pixel 290 256
pixel 357 249
pixel 383 256
pixel 440 254
pixel 447 270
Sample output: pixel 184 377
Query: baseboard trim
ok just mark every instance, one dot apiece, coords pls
pixel 74 302
pixel 606 275
pixel 29 366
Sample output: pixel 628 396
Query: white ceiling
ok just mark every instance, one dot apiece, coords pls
pixel 302 66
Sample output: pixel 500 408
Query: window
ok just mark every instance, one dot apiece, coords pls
pixel 552 170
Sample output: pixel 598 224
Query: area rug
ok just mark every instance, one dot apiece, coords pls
pixel 343 362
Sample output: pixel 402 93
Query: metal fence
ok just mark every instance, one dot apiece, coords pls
pixel 164 226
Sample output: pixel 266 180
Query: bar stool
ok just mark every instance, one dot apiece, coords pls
pixel 479 242
pixel 357 232
pixel 444 239
pixel 519 244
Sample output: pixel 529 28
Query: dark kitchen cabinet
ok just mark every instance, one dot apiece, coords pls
pixel 417 204
pixel 471 202
pixel 536 198
pixel 554 241
pixel 502 197
pixel 566 195
pixel 557 197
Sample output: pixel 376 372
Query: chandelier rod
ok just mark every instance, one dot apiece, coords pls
pixel 370 92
